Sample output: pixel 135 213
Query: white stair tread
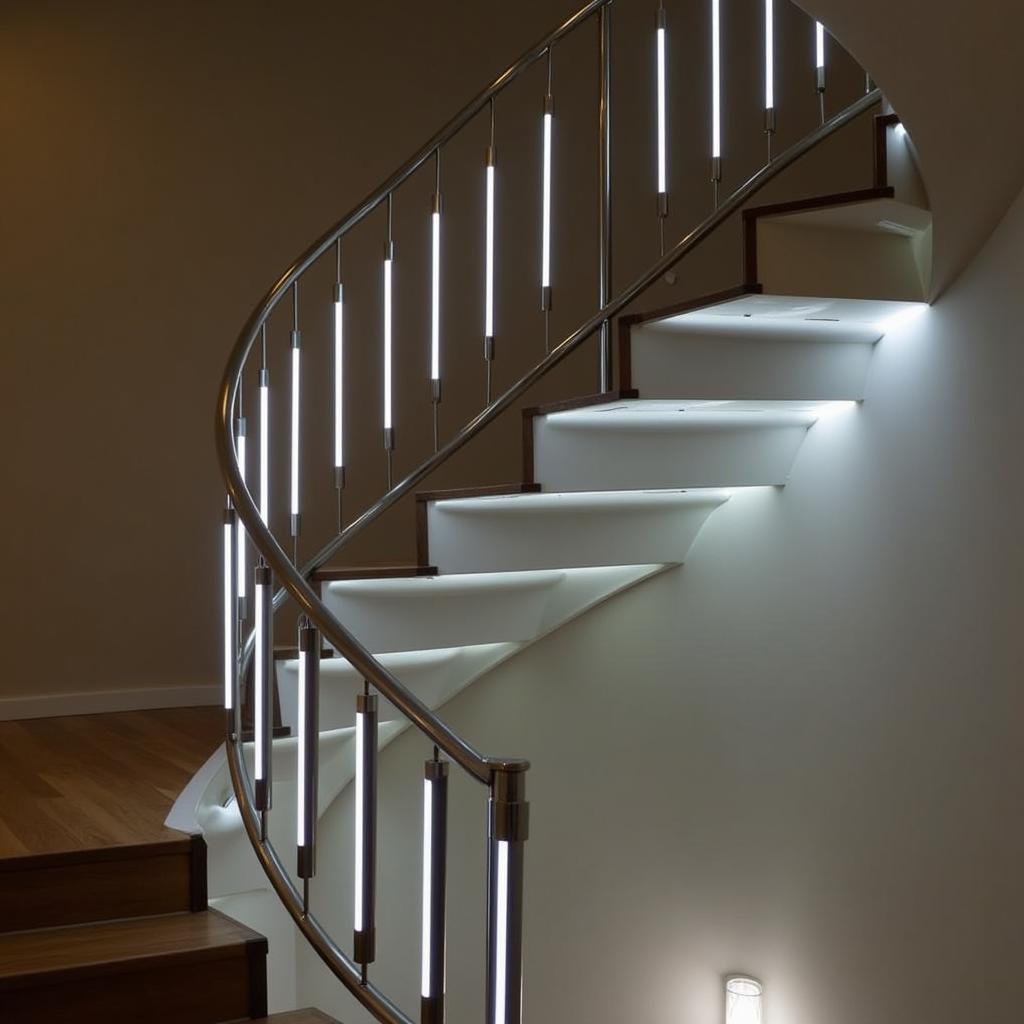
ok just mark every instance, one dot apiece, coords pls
pixel 714 326
pixel 882 215
pixel 582 502
pixel 877 312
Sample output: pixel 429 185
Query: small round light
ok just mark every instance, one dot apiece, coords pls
pixel 743 1000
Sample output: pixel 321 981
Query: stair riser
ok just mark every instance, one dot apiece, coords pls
pixel 200 992
pixel 572 459
pixel 667 364
pixel 501 540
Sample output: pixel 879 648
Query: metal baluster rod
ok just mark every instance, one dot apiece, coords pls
pixel 263 696
pixel 435 297
pixel 508 831
pixel 339 385
pixel 716 97
pixel 604 206
pixel 489 261
pixel 661 57
pixel 230 616
pixel 769 73
pixel 819 65
pixel 548 118
pixel 296 519
pixel 435 853
pixel 364 943
pixel 241 569
pixel 389 427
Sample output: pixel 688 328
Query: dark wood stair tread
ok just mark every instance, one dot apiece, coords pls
pixel 486 491
pixel 49 954
pixel 329 574
pixel 307 1016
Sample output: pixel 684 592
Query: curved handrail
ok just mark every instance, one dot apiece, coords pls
pixel 295 580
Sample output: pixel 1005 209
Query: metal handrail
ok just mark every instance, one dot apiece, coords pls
pixel 295 580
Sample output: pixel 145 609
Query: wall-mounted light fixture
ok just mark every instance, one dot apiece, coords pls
pixel 743 1000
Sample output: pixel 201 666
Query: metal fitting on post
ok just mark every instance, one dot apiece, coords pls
pixel 819 79
pixel 716 168
pixel 264 377
pixel 389 439
pixel 489 349
pixel 509 812
pixel 435 391
pixel 769 120
pixel 339 477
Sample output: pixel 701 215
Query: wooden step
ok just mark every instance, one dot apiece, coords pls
pixel 202 967
pixel 80 886
pixel 307 1016
pixel 329 574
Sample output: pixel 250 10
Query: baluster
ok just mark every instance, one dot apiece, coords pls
pixel 435 294
pixel 308 754
pixel 264 392
pixel 545 259
pixel 769 73
pixel 366 829
pixel 296 520
pixel 240 537
pixel 339 380
pixel 661 27
pixel 716 96
pixel 604 206
pixel 262 697
pixel 508 831
pixel 230 611
pixel 489 262
pixel 819 65
pixel 389 427
pixel 435 847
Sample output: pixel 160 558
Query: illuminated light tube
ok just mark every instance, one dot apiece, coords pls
pixel 435 828
pixel 309 736
pixel 264 445
pixel 366 828
pixel 435 290
pixel 239 529
pixel 261 687
pixel 489 250
pixel 819 45
pixel 743 1000
pixel 296 370
pixel 662 109
pixel 769 55
pixel 230 610
pixel 389 258
pixel 545 259
pixel 501 936
pixel 339 370
pixel 716 80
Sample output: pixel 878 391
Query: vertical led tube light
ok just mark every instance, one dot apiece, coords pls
pixel 545 256
pixel 366 829
pixel 716 93
pixel 240 537
pixel 339 381
pixel 819 56
pixel 264 392
pixel 661 28
pixel 389 428
pixel 296 370
pixel 262 680
pixel 309 737
pixel 230 610
pixel 508 831
pixel 435 295
pixel 489 268
pixel 435 839
pixel 769 67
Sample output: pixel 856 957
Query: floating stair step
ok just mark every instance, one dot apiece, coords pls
pixel 671 444
pixel 329 574
pixel 566 530
pixel 47 890
pixel 203 968
pixel 307 1016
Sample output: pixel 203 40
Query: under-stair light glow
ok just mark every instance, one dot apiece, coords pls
pixel 545 265
pixel 905 316
pixel 339 369
pixel 296 355
pixel 716 79
pixel 662 113
pixel 769 54
pixel 230 613
pixel 819 44
pixel 743 1001
pixel 300 802
pixel 388 261
pixel 501 937
pixel 489 251
pixel 264 446
pixel 435 291
pixel 239 529
pixel 900 130
pixel 428 845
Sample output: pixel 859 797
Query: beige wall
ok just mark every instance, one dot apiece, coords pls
pixel 164 163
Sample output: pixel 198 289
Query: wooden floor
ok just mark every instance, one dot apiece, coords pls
pixel 93 781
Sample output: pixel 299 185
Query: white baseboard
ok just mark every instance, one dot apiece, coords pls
pixel 51 705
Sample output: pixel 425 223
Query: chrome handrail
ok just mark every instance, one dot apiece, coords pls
pixel 295 580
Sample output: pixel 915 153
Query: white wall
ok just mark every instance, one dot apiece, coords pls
pixel 798 756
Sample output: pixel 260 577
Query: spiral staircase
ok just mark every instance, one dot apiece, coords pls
pixel 693 401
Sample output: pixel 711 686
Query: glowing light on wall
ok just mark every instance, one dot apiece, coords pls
pixel 743 1001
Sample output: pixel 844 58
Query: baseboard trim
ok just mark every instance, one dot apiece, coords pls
pixel 52 705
